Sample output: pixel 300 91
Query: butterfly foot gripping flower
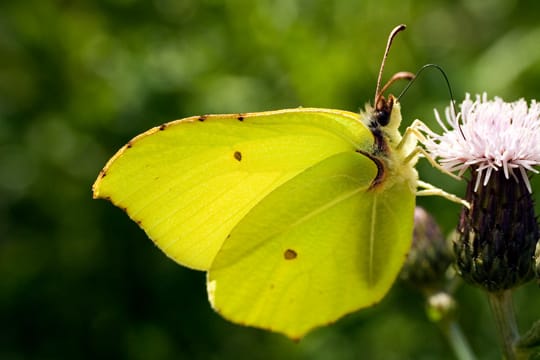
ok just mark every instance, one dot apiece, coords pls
pixel 500 143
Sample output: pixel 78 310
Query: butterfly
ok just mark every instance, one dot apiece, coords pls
pixel 298 216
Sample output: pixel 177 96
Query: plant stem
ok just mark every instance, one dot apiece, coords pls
pixel 441 311
pixel 457 341
pixel 505 320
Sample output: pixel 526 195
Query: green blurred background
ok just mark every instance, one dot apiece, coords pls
pixel 78 79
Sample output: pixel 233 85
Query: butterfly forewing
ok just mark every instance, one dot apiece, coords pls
pixel 189 182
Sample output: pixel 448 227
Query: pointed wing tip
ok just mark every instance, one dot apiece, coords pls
pixel 95 186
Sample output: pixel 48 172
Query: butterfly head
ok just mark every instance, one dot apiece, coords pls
pixel 383 110
pixel 384 119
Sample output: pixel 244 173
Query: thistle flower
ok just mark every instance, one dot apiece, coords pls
pixel 500 143
pixel 489 135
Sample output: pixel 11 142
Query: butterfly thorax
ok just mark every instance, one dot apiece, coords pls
pixel 391 159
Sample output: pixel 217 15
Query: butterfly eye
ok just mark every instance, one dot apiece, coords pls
pixel 383 109
pixel 383 117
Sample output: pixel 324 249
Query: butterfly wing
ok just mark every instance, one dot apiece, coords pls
pixel 188 183
pixel 320 246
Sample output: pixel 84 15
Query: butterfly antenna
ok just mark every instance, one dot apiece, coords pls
pixel 402 75
pixel 452 100
pixel 391 37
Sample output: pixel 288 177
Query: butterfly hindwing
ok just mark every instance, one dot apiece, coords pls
pixel 320 246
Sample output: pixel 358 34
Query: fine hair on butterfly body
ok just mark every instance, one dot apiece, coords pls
pixel 298 216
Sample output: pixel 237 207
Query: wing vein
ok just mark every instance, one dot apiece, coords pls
pixel 323 207
pixel 372 240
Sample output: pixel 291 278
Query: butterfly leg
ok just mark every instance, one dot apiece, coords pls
pixel 421 151
pixel 416 131
pixel 430 190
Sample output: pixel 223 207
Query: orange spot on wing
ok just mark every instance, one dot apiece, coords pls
pixel 290 254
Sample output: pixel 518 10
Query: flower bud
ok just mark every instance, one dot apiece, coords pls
pixel 498 234
pixel 440 306
pixel 429 256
